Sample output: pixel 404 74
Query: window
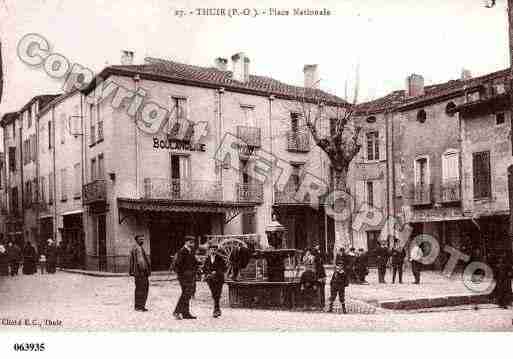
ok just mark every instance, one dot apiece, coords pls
pixel 14 199
pixel 500 118
pixel 249 115
pixel 12 159
pixel 34 147
pixel 421 171
pixel 50 135
pixel 179 127
pixel 42 190
pixel 294 122
pixel 29 117
pixel 333 126
pixel 370 193
pixel 26 151
pixel 101 167
pixel 51 188
pixel 450 166
pixel 372 240
pixel 421 116
pixel 62 127
pixel 92 121
pixel 35 191
pixel 373 146
pixel 481 172
pixel 28 194
pixel 246 178
pixel 93 169
pixel 64 184
pixel 77 177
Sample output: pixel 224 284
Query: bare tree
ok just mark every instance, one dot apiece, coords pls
pixel 341 144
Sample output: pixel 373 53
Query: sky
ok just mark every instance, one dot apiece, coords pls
pixel 387 39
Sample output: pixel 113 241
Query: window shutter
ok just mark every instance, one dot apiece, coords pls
pixel 361 193
pixel 382 145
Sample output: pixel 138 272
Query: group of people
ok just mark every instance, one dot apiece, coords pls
pixel 186 267
pixel 396 256
pixel 12 257
pixel 355 264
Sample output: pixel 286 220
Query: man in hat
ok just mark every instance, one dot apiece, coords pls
pixel 339 282
pixel 51 257
pixel 398 254
pixel 185 267
pixel 140 270
pixel 14 254
pixel 416 255
pixel 381 254
pixel 214 269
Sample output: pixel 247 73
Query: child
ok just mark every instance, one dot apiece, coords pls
pixel 308 280
pixel 338 284
pixel 42 263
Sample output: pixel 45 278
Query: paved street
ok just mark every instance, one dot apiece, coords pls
pixel 91 303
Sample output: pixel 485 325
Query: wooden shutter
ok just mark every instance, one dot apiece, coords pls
pixel 481 172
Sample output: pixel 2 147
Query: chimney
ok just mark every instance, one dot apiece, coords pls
pixel 221 64
pixel 312 79
pixel 465 74
pixel 127 57
pixel 414 85
pixel 240 63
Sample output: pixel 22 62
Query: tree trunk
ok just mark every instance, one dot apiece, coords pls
pixel 342 226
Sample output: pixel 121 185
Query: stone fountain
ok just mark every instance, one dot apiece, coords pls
pixel 274 290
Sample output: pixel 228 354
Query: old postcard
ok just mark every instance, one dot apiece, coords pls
pixel 260 165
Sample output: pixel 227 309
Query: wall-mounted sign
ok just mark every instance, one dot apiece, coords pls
pixel 170 144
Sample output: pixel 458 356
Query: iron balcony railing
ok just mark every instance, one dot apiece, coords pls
pixel 450 191
pixel 298 141
pixel 95 191
pixel 250 192
pixel 182 189
pixel 250 135
pixel 422 194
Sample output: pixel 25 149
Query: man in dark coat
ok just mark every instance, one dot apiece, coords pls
pixel 4 261
pixel 140 269
pixel 51 257
pixel 320 272
pixel 361 266
pixel 503 272
pixel 381 254
pixel 214 269
pixel 14 255
pixel 185 267
pixel 398 254
pixel 29 259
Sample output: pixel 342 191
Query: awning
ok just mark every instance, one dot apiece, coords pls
pixel 76 211
pixel 231 209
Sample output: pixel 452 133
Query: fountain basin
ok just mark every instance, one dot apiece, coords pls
pixel 285 295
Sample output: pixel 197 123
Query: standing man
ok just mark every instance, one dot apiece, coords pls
pixel 361 266
pixel 398 254
pixel 320 272
pixel 14 254
pixel 140 270
pixel 381 254
pixel 214 269
pixel 51 257
pixel 185 268
pixel 415 257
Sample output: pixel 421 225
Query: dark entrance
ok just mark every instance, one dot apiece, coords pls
pixel 72 247
pixel 167 233
pixel 102 243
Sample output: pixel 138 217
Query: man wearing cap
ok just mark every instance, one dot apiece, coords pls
pixel 185 268
pixel 140 270
pixel 214 269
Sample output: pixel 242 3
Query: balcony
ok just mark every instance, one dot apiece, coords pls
pixel 250 135
pixel 290 195
pixel 422 194
pixel 250 192
pixel 182 190
pixel 450 191
pixel 95 191
pixel 298 141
